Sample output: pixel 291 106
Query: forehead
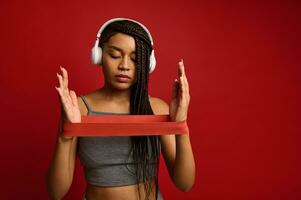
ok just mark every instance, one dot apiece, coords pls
pixel 124 42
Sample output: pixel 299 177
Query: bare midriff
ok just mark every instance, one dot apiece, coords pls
pixel 129 192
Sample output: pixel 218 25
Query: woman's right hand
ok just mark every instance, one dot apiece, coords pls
pixel 68 98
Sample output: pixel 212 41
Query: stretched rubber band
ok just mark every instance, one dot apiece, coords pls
pixel 125 125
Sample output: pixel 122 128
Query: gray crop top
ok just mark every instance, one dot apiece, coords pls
pixel 106 160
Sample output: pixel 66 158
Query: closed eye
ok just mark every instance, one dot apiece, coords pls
pixel 115 57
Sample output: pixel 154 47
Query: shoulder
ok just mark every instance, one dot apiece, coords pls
pixel 90 99
pixel 81 104
pixel 159 106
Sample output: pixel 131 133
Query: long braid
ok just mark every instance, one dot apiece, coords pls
pixel 144 144
pixel 145 149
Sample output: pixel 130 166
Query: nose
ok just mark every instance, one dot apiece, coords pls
pixel 124 64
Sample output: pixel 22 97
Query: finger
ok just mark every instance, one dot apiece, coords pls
pixel 181 63
pixel 184 74
pixel 61 97
pixel 185 82
pixel 73 98
pixel 59 91
pixel 179 70
pixel 186 95
pixel 59 79
pixel 58 83
pixel 182 86
pixel 62 87
pixel 65 83
pixel 63 92
pixel 175 89
pixel 182 69
pixel 65 76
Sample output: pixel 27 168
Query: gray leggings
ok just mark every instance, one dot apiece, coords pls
pixel 159 196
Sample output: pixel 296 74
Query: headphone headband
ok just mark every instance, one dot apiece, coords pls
pixel 120 19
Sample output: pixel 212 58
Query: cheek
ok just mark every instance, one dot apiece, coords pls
pixel 108 64
pixel 106 69
pixel 106 60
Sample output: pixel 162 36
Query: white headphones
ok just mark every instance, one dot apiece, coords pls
pixel 96 55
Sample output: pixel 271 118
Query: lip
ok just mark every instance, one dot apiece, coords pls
pixel 122 78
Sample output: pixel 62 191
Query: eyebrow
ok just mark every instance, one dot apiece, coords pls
pixel 117 48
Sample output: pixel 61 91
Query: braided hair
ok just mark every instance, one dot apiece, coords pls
pixel 145 150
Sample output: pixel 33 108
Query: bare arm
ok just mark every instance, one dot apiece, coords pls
pixel 177 153
pixel 176 149
pixel 61 169
pixel 179 159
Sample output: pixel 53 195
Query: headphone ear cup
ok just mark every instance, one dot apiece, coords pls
pixel 96 55
pixel 152 63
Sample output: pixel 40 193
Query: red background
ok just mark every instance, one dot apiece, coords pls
pixel 243 65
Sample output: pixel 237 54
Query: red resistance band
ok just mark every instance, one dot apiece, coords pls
pixel 125 125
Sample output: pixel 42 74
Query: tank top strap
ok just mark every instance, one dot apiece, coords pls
pixel 86 103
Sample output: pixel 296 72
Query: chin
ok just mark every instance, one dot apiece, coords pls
pixel 122 86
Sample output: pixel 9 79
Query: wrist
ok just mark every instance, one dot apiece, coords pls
pixel 178 119
pixel 63 139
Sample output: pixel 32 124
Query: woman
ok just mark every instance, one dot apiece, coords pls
pixel 122 167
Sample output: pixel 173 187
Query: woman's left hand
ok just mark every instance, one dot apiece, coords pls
pixel 179 104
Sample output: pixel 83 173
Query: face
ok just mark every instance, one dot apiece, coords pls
pixel 119 65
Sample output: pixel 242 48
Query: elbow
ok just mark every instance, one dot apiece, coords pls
pixel 55 191
pixel 53 197
pixel 54 194
pixel 185 187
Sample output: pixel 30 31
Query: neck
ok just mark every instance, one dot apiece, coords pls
pixel 115 95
